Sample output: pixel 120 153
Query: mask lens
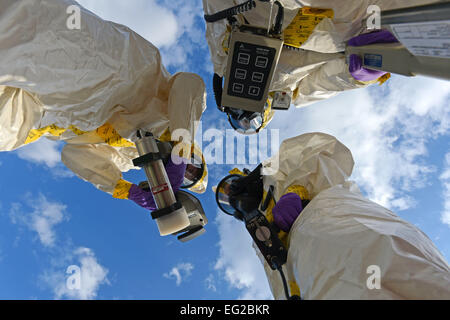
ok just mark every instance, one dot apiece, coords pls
pixel 194 172
pixel 246 124
pixel 223 194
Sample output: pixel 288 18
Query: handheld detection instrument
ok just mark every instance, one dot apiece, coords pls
pixel 253 55
pixel 178 214
pixel 423 46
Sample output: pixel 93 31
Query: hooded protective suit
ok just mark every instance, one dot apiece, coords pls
pixel 318 70
pixel 91 86
pixel 341 240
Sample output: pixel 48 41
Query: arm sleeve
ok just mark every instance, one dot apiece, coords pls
pixel 187 92
pixel 101 165
pixel 341 240
pixel 101 72
pixel 20 111
pixel 325 82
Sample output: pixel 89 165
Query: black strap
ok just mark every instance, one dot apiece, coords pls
pixel 146 159
pixel 218 89
pixel 190 232
pixel 305 203
pixel 269 197
pixel 230 12
pixel 278 28
pixel 166 211
pixel 240 185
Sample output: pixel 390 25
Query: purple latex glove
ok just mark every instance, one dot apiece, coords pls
pixel 355 64
pixel 286 211
pixel 145 198
pixel 382 36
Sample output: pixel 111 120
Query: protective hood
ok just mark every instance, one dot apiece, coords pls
pixel 341 243
pixel 301 161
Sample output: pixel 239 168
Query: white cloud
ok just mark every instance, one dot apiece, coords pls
pixel 191 34
pixel 445 180
pixel 43 151
pixel 46 153
pixel 150 20
pixel 169 25
pixel 42 218
pixel 92 275
pixel 180 272
pixel 386 128
pixel 211 283
pixel 238 261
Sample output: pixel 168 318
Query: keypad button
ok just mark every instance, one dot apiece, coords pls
pixel 261 62
pixel 243 58
pixel 240 74
pixel 254 91
pixel 257 77
pixel 238 87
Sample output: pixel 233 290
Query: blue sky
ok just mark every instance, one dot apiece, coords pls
pixel 49 219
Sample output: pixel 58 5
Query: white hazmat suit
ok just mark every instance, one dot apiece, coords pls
pixel 341 240
pixel 91 86
pixel 318 71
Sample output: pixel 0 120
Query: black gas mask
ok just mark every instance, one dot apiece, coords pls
pixel 241 196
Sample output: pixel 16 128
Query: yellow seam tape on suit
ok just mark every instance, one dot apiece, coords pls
pixel 236 171
pixel 269 214
pixel 166 136
pixel 122 189
pixel 54 130
pixel 304 24
pixel 300 191
pixel 106 132
pixel 295 94
pixel 226 39
pixel 294 289
pixel 381 80
pixel 268 114
pixel 111 137
pixel 35 134
pixel 77 131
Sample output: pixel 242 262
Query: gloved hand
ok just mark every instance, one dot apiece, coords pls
pixel 355 64
pixel 145 198
pixel 287 210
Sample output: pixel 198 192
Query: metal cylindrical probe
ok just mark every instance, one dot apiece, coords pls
pixel 160 187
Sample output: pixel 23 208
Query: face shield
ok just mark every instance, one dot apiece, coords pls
pixel 224 194
pixel 247 122
pixel 196 174
pixel 240 196
pixel 193 174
